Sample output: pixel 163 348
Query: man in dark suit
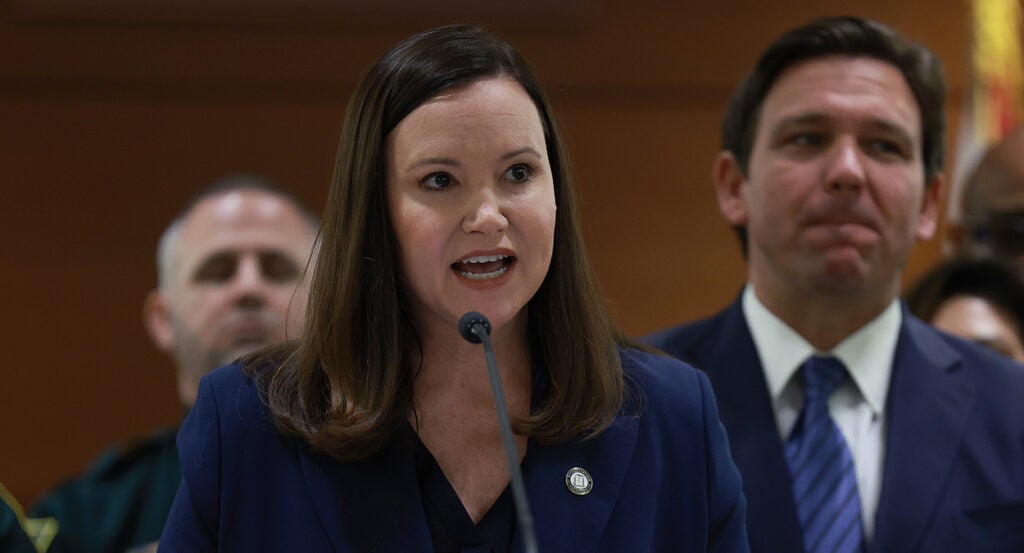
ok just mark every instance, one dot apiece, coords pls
pixel 228 268
pixel 855 426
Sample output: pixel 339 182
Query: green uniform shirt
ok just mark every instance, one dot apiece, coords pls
pixel 120 503
pixel 13 538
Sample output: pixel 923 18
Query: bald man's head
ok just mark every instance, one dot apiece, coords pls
pixel 232 279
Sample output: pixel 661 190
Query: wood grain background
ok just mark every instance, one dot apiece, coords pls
pixel 112 114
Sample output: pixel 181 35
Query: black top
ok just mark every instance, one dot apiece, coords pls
pixel 451 528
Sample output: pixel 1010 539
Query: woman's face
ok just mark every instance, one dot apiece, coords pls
pixel 976 319
pixel 471 198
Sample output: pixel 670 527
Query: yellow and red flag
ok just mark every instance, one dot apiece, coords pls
pixel 995 102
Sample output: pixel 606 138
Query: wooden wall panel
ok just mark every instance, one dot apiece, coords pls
pixel 110 118
pixel 644 196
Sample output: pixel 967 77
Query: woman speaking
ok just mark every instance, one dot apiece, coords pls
pixel 377 430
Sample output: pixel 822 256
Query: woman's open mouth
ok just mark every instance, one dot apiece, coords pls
pixel 483 267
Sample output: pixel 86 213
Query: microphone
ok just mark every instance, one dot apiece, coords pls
pixel 472 325
pixel 475 328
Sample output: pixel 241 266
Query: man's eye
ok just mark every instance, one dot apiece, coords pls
pixel 277 267
pixel 217 269
pixel 888 147
pixel 806 139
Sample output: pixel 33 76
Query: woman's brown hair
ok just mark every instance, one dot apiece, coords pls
pixel 346 386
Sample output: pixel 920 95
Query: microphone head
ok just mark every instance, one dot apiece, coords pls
pixel 472 324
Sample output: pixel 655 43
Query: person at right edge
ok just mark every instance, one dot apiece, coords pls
pixel 855 426
pixel 377 431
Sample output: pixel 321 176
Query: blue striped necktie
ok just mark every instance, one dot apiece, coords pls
pixel 821 467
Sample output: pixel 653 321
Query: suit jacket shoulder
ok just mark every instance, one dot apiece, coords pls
pixel 678 426
pixel 694 341
pixel 663 383
pixel 954 466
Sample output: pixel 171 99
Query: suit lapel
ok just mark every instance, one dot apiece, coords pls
pixel 368 506
pixel 734 367
pixel 564 521
pixel 929 401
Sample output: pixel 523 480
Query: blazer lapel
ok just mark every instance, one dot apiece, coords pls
pixel 929 401
pixel 371 506
pixel 734 368
pixel 568 522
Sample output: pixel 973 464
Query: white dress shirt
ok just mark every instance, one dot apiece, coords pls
pixel 857 406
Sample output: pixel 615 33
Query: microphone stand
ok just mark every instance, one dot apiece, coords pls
pixel 475 328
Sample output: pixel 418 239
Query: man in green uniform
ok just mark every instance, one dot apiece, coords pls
pixel 231 271
pixel 14 528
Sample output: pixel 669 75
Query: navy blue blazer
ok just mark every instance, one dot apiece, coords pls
pixel 954 463
pixel 662 481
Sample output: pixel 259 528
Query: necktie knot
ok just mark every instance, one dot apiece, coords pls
pixel 822 375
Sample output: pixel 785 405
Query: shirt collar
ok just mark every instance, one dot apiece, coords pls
pixel 867 353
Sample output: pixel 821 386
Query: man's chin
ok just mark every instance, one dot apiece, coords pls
pixel 242 350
